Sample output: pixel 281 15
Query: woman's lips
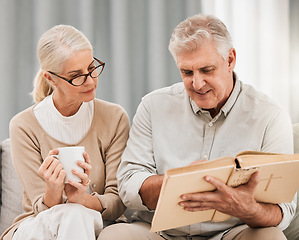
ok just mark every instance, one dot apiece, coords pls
pixel 89 91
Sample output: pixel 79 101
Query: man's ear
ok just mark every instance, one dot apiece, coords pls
pixel 231 59
pixel 49 78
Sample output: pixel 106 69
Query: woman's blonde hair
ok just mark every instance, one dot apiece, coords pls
pixel 54 47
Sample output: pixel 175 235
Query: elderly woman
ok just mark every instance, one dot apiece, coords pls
pixel 67 114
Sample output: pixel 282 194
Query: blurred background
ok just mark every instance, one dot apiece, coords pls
pixel 132 36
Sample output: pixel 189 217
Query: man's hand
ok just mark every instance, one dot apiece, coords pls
pixel 238 202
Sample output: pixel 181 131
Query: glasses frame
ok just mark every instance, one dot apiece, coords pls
pixel 70 81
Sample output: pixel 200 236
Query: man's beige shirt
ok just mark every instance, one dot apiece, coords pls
pixel 169 130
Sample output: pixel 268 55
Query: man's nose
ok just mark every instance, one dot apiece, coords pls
pixel 198 81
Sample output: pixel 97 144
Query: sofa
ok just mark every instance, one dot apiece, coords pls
pixel 11 191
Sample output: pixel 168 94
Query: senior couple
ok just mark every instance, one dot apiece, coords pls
pixel 210 114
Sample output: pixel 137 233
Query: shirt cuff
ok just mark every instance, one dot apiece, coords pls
pixel 286 216
pixel 131 196
pixel 40 206
pixel 111 204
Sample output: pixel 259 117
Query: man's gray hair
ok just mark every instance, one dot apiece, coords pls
pixel 192 32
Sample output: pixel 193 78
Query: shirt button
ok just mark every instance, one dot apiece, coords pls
pixel 205 156
pixel 210 124
pixel 93 185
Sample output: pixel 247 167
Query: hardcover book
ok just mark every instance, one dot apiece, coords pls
pixel 279 182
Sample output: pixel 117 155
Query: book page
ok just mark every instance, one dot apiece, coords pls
pixel 246 159
pixel 215 163
pixel 278 183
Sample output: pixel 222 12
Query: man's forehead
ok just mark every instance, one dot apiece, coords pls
pixel 198 62
pixel 195 63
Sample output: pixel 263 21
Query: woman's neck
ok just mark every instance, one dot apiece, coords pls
pixel 66 108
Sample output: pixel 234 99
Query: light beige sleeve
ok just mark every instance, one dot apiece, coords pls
pixel 110 200
pixel 26 158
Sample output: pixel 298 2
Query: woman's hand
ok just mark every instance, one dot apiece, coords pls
pixel 76 191
pixel 53 174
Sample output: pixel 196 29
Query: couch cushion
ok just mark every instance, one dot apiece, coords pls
pixel 11 189
pixel 0 177
pixel 296 137
pixel 292 232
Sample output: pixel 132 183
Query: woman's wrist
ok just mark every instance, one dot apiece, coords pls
pixel 92 202
pixel 52 198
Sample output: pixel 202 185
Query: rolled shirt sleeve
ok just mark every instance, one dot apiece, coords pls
pixel 288 210
pixel 137 160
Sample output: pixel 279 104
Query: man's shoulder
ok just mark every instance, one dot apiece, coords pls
pixel 258 98
pixel 173 90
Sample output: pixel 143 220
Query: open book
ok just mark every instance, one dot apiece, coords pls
pixel 279 181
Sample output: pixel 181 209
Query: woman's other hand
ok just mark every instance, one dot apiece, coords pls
pixel 75 190
pixel 52 172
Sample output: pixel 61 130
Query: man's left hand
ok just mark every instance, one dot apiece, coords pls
pixel 238 202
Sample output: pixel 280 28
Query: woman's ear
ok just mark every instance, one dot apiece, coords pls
pixel 49 78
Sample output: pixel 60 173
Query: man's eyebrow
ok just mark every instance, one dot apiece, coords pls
pixel 185 69
pixel 78 71
pixel 208 67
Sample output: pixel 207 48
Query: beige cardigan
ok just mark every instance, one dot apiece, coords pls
pixel 104 142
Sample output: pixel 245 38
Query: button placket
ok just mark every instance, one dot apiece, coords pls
pixel 209 135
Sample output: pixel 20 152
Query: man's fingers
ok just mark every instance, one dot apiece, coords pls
pixel 205 196
pixel 218 184
pixel 253 181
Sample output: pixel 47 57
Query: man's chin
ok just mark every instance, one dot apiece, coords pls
pixel 204 105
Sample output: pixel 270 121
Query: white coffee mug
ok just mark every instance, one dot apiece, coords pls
pixel 68 157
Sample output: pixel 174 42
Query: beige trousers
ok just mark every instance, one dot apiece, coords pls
pixel 140 231
pixel 62 222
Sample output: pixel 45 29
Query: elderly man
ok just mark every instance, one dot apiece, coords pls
pixel 210 115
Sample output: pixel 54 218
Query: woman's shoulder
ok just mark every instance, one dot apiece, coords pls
pixel 110 115
pixel 105 108
pixel 24 122
pixel 23 117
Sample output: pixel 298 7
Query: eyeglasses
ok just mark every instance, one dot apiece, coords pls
pixel 96 70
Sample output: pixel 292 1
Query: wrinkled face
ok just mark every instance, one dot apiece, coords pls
pixel 80 62
pixel 208 78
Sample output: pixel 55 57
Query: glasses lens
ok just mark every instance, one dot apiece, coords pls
pixel 78 80
pixel 97 71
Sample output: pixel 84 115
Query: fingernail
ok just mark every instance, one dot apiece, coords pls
pixel 207 179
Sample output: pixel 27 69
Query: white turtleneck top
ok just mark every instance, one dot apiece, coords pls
pixel 68 130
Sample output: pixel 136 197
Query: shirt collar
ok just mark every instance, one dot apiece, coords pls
pixel 229 103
